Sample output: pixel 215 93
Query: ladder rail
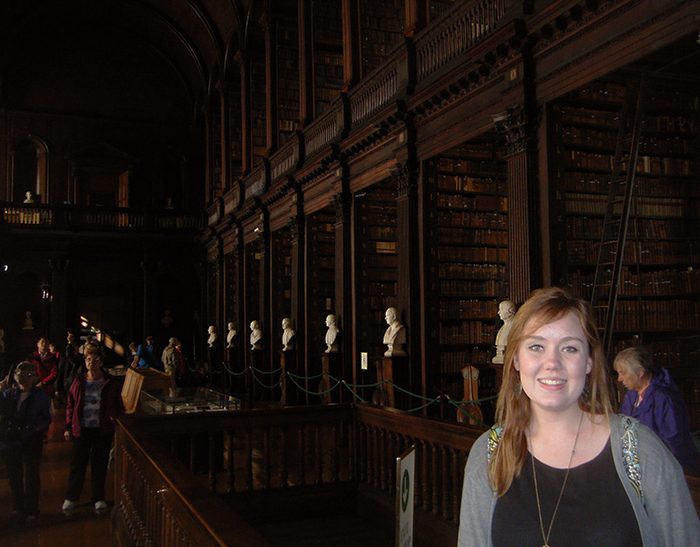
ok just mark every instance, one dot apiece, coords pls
pixel 612 246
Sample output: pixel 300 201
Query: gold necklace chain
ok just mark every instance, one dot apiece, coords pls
pixel 545 538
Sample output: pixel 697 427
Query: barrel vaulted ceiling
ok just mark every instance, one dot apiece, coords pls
pixel 182 44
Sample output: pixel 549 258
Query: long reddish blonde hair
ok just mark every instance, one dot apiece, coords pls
pixel 513 407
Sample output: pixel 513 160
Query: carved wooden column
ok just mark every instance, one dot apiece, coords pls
pixel 58 299
pixel 269 24
pixel 219 316
pixel 264 298
pixel 223 88
pixel 524 265
pixel 351 44
pixel 246 113
pixel 296 228
pixel 408 294
pixel 147 267
pixel 306 67
pixel 344 265
pixel 208 163
pixel 416 13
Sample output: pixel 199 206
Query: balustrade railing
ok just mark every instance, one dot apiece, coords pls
pixel 284 160
pixel 266 449
pixel 321 132
pixel 378 89
pixel 99 219
pixel 456 32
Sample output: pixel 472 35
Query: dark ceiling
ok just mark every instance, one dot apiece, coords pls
pixel 183 46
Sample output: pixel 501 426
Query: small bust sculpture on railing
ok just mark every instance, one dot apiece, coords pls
pixel 29 197
pixel 331 334
pixel 506 311
pixel 231 335
pixel 256 335
pixel 28 322
pixel 288 334
pixel 213 335
pixel 395 335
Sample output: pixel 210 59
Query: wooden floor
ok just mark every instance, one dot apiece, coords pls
pixel 52 527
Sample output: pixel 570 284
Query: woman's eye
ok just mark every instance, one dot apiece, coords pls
pixel 570 349
pixel 535 347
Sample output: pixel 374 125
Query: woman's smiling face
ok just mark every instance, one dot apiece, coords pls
pixel 553 361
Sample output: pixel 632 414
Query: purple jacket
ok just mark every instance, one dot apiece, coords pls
pixel 662 410
pixel 111 405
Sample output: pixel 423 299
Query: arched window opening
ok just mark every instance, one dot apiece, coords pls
pixel 30 173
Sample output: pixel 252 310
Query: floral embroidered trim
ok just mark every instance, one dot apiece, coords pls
pixel 630 451
pixel 630 455
pixel 495 434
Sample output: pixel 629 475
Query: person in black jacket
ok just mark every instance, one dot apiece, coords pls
pixel 69 366
pixel 24 419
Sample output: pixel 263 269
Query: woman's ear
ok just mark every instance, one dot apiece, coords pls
pixel 516 365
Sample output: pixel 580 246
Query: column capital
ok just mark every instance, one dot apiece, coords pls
pixel 519 128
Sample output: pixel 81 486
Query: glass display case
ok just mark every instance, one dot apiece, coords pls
pixel 191 399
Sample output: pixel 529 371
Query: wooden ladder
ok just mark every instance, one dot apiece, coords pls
pixel 612 244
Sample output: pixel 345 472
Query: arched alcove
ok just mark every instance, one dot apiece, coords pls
pixel 30 173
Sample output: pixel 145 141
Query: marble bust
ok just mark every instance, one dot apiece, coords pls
pixel 28 322
pixel 395 335
pixel 230 335
pixel 506 311
pixel 213 336
pixel 28 197
pixel 255 335
pixel 331 334
pixel 288 334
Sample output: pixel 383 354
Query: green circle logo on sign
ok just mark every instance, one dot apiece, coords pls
pixel 405 484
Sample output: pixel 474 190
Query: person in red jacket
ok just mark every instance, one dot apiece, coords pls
pixel 94 402
pixel 46 366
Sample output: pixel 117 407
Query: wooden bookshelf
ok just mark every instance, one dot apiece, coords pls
pixel 328 53
pixel 467 189
pixel 321 285
pixel 377 265
pixel 252 290
pixel 381 30
pixel 659 294
pixel 287 78
pixel 281 284
pixel 258 115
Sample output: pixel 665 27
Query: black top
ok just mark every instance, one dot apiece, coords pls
pixel 594 509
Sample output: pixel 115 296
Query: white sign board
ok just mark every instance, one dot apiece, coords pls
pixel 405 473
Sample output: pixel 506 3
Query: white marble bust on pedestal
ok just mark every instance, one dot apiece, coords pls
pixel 395 335
pixel 255 335
pixel 288 334
pixel 28 322
pixel 506 311
pixel 331 334
pixel 213 336
pixel 231 335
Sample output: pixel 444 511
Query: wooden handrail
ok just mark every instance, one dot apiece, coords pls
pixel 158 503
pixel 161 496
pixel 70 217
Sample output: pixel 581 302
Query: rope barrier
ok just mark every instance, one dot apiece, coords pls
pixel 319 393
pixel 353 392
pixel 298 380
pixel 252 371
pixel 231 372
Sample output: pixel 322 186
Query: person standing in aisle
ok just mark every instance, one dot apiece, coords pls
pixel 94 402
pixel 24 420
